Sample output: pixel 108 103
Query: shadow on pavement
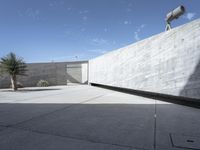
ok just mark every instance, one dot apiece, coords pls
pixel 124 125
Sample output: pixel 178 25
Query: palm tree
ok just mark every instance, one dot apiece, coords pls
pixel 13 65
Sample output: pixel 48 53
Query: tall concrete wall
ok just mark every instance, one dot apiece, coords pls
pixel 167 63
pixel 54 73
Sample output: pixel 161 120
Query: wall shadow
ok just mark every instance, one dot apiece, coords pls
pixel 192 87
pixel 71 79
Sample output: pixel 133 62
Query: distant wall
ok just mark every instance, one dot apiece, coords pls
pixel 167 63
pixel 55 73
pixel 77 73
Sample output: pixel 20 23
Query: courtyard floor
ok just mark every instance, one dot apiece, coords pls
pixel 83 117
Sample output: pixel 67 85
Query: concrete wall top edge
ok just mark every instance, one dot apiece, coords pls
pixel 67 62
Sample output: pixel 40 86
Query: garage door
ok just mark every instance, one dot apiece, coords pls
pixel 74 73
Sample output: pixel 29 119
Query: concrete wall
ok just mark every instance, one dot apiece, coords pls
pixel 167 63
pixel 54 73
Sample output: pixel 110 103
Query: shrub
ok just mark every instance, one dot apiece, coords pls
pixel 43 83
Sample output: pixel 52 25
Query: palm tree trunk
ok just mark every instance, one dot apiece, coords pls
pixel 14 82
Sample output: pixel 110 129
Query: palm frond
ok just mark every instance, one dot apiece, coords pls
pixel 13 65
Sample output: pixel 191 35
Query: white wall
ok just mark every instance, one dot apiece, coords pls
pixel 167 63
pixel 85 73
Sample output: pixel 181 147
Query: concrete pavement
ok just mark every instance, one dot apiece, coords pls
pixel 91 118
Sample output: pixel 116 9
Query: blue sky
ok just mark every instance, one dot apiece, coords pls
pixel 68 30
